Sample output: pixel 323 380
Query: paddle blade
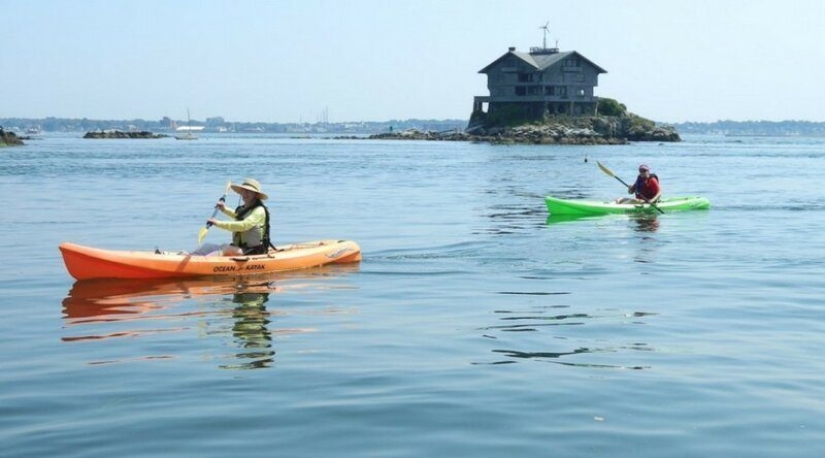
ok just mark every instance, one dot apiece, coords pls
pixel 201 235
pixel 604 169
pixel 610 173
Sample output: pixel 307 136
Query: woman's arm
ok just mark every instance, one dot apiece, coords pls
pixel 227 211
pixel 256 218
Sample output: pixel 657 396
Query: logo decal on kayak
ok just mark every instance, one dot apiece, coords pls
pixel 338 253
pixel 255 267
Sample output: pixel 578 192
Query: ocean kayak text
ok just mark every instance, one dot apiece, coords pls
pixel 238 268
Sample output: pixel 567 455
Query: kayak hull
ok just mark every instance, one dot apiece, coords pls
pixel 556 206
pixel 85 263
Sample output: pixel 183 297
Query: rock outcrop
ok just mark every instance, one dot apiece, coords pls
pixel 9 138
pixel 121 134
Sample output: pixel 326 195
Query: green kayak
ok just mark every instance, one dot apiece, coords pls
pixel 558 206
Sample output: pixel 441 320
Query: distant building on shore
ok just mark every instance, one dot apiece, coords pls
pixel 541 82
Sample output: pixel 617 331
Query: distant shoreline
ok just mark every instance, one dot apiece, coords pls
pixel 788 135
pixel 51 124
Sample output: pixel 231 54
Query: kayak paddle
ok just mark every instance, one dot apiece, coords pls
pixel 608 172
pixel 203 230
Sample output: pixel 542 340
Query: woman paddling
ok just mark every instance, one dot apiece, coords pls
pixel 250 225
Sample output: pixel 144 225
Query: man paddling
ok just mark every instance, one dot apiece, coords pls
pixel 646 188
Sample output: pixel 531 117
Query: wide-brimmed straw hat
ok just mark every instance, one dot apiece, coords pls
pixel 251 184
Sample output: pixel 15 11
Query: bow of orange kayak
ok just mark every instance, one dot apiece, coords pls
pixel 84 263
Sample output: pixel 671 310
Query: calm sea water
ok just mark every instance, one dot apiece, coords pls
pixel 475 325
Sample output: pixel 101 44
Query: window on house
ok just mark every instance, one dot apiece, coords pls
pixel 521 90
pixel 534 90
pixel 580 93
pixel 549 90
pixel 525 77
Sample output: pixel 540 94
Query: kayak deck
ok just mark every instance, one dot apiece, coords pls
pixel 556 206
pixel 85 262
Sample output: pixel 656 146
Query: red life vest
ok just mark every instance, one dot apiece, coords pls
pixel 644 190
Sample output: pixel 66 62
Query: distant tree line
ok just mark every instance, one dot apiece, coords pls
pixel 218 124
pixel 767 128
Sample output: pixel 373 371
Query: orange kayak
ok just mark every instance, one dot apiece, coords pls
pixel 85 263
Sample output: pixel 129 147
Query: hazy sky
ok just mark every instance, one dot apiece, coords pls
pixel 378 60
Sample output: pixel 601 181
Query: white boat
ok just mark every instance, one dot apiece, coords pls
pixel 187 135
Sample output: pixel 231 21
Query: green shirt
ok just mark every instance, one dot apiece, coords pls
pixel 248 232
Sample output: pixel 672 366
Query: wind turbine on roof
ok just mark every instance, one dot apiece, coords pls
pixel 546 30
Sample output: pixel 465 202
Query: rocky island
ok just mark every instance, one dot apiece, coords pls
pixel 613 125
pixel 546 96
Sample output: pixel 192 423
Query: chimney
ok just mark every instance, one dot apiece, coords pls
pixel 511 48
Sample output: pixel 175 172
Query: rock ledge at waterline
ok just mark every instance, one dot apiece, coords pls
pixel 592 130
pixel 9 138
pixel 121 134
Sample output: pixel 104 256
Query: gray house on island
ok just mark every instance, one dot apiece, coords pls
pixel 539 83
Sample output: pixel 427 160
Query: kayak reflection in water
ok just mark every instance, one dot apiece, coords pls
pixel 249 225
pixel 646 188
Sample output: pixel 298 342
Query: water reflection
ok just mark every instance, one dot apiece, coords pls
pixel 645 222
pixel 513 211
pixel 236 309
pixel 564 344
pixel 121 308
pixel 512 219
pixel 558 219
pixel 642 222
pixel 251 332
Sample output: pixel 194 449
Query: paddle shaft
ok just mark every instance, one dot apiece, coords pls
pixel 215 213
pixel 621 181
pixel 203 231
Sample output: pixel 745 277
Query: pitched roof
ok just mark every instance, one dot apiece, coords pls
pixel 542 61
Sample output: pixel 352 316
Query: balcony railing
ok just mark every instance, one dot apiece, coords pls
pixel 534 98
